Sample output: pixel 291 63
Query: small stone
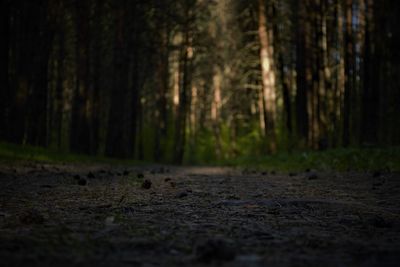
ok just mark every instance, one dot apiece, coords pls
pixel 182 194
pixel 47 186
pixel 224 181
pixel 82 181
pixel 167 179
pixel 173 184
pixel 250 260
pixel 264 173
pixel 312 176
pixel 91 175
pixel 214 250
pixel 146 184
pixel 233 197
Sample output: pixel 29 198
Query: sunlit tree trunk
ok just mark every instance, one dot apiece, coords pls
pixel 184 90
pixel 268 76
pixel 215 111
pixel 261 111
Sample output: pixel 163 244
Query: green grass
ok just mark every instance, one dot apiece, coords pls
pixel 12 152
pixel 335 159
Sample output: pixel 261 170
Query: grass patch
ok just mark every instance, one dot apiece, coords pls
pixel 12 152
pixel 335 159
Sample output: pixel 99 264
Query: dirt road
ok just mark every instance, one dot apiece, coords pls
pixel 68 215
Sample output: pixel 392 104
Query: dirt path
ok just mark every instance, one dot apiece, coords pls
pixel 65 215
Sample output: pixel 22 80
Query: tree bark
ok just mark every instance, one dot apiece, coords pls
pixel 268 77
pixel 302 49
pixel 348 69
pixel 4 68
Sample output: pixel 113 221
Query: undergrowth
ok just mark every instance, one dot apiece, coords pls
pixel 341 159
pixel 357 159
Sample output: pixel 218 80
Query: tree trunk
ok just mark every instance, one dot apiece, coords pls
pixel 268 77
pixel 4 68
pixel 372 75
pixel 302 49
pixel 281 72
pixel 80 137
pixel 118 131
pixel 348 69
pixel 162 76
pixel 180 126
pixel 215 111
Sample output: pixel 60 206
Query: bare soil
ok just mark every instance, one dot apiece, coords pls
pixel 71 215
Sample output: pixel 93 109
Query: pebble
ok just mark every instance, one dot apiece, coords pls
pixel 146 184
pixel 312 176
pixel 182 194
pixel 82 181
pixel 215 250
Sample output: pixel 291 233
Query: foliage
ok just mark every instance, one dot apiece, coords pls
pixel 196 81
pixel 11 152
pixel 350 159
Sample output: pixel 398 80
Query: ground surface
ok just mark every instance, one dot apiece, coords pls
pixel 70 215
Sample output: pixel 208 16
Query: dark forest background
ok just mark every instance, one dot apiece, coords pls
pixel 199 80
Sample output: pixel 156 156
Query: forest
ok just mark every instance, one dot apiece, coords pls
pixel 199 81
pixel 199 133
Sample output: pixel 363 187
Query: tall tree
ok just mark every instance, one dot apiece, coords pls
pixel 268 76
pixel 302 70
pixel 4 67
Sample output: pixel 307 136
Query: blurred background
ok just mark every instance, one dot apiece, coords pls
pixel 199 81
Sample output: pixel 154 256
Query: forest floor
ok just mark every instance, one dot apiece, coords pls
pixel 99 215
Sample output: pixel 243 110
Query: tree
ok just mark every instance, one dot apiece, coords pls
pixel 268 76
